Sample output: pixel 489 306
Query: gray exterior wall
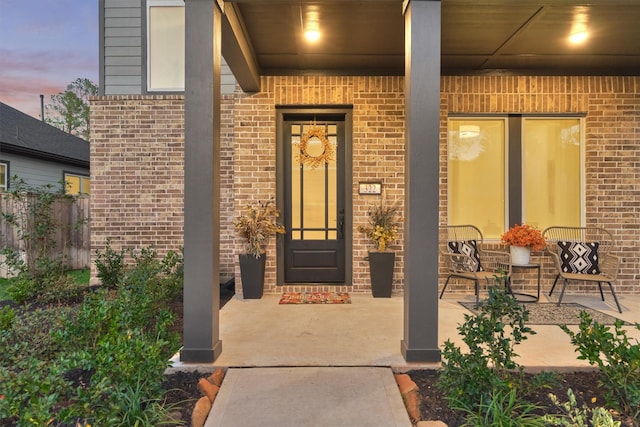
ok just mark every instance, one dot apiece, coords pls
pixel 37 172
pixel 123 49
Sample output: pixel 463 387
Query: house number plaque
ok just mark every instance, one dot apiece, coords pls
pixel 374 188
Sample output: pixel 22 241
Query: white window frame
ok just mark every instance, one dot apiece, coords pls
pixel 150 4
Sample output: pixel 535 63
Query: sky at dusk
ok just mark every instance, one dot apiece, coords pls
pixel 44 46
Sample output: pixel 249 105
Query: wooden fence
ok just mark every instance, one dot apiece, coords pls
pixel 72 236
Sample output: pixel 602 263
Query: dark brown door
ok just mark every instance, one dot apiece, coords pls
pixel 314 191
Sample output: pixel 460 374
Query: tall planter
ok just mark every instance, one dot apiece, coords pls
pixel 381 271
pixel 252 274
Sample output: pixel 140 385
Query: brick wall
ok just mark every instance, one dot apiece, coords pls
pixel 612 108
pixel 378 147
pixel 137 143
pixel 137 174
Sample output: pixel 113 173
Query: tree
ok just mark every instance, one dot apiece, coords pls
pixel 71 108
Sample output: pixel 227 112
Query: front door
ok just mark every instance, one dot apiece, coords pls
pixel 314 214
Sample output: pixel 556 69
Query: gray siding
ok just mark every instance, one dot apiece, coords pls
pixel 122 47
pixel 124 50
pixel 38 172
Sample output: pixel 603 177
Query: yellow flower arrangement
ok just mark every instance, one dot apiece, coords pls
pixel 524 235
pixel 382 228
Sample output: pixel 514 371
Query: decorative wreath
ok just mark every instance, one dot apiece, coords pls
pixel 327 148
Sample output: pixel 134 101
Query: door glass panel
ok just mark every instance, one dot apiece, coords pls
pixel 313 182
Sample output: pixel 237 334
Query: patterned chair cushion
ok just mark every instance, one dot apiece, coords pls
pixel 466 247
pixel 579 257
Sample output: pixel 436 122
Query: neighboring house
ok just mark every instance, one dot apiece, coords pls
pixel 464 111
pixel 41 154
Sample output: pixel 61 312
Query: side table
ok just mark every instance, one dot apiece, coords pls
pixel 533 298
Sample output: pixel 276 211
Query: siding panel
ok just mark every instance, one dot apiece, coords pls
pixel 122 46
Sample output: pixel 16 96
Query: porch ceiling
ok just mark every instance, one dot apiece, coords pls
pixel 366 37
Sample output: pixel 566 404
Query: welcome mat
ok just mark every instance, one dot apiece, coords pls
pixel 315 298
pixel 552 314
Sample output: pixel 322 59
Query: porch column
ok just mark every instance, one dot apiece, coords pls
pixel 422 132
pixel 202 182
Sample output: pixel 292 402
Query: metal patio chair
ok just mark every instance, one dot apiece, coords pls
pixel 465 258
pixel 582 253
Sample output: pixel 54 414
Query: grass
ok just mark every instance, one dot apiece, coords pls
pixel 4 284
pixel 80 277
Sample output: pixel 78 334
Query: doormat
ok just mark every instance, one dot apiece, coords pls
pixel 552 314
pixel 315 298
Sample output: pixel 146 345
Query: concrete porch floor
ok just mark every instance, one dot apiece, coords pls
pixel 367 332
pixel 332 365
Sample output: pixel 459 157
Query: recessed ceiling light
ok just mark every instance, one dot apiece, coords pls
pixel 579 37
pixel 312 35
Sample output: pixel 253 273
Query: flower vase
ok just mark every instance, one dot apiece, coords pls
pixel 520 255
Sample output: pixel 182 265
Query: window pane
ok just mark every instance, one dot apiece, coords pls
pixel 476 151
pixel 166 48
pixel 86 186
pixel 72 184
pixel 3 176
pixel 551 176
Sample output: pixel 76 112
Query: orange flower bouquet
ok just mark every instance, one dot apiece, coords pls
pixel 524 235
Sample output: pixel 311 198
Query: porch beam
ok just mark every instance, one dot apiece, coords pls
pixel 422 140
pixel 202 182
pixel 238 51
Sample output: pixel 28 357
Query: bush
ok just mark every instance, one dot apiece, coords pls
pixel 616 356
pixel 504 410
pixel 101 362
pixel 488 369
pixel 579 417
pixel 41 272
pixel 110 266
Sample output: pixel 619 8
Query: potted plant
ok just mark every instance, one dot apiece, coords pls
pixel 382 230
pixel 521 238
pixel 255 227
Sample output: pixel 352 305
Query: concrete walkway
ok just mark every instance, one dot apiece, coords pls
pixel 318 397
pixel 332 365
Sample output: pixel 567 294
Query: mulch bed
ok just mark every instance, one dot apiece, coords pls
pixel 182 390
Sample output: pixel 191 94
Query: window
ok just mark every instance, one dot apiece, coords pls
pixel 4 176
pixel 552 172
pixel 508 170
pixel 477 168
pixel 165 45
pixel 76 184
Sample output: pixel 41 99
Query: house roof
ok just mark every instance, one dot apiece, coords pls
pixel 366 37
pixel 23 134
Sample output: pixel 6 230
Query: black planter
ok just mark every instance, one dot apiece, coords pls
pixel 381 271
pixel 252 274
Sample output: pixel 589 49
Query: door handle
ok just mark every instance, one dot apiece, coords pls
pixel 341 224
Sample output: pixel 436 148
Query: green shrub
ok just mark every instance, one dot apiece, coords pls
pixel 488 367
pixel 110 265
pixel 502 409
pixel 7 316
pixel 32 390
pixel 616 356
pixel 119 339
pixel 34 220
pixel 579 417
